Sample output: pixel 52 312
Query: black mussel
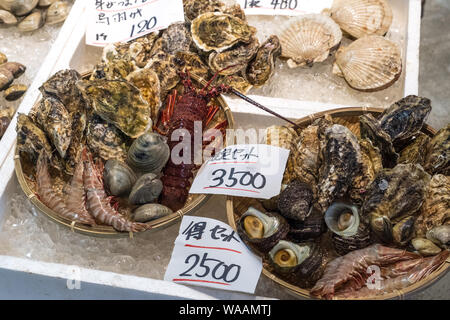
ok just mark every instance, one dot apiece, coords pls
pixel 262 230
pixel 299 263
pixel 311 228
pixel 295 202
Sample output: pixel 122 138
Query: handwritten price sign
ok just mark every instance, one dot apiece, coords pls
pixel 113 21
pixel 254 170
pixel 283 7
pixel 210 253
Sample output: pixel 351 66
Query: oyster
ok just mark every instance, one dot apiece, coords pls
pixel 114 69
pixel 57 12
pixel 194 8
pixel 435 210
pixel 284 137
pixel 308 39
pixel 416 151
pixel 149 153
pixel 261 230
pixel 298 263
pixel 192 63
pixel 164 66
pixel 236 82
pixel 425 247
pixel 362 17
pixel 262 67
pixel 236 11
pixel 370 63
pixel 15 92
pixel 149 212
pixel 105 140
pixel 394 195
pixel 62 85
pixel 372 163
pixel 440 235
pixel 438 157
pixel 342 161
pixel 146 189
pixel 119 103
pixel 147 81
pixel 235 59
pixel 118 178
pixel 78 140
pixel 295 202
pixel 311 228
pixel 176 37
pixel 403 231
pixel 32 22
pixel 218 31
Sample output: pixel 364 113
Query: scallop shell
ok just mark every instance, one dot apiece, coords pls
pixel 370 63
pixel 362 17
pixel 309 39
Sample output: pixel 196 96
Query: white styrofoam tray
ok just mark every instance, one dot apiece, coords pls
pixel 70 51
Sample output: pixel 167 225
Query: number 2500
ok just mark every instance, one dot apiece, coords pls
pixel 220 271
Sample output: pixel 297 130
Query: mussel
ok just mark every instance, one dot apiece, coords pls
pixel 149 152
pixel 15 91
pixel 118 177
pixel 149 212
pixel 300 263
pixel 262 230
pixel 295 202
pixel 146 189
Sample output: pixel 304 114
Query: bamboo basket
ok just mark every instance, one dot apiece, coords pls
pixel 236 206
pixel 194 201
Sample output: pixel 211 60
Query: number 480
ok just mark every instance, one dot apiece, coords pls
pixel 284 4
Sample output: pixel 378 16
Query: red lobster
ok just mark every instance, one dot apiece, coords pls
pixel 181 113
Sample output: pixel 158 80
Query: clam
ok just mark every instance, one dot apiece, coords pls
pixel 262 67
pixel 57 12
pixel 45 3
pixel 3 58
pixel 362 17
pixel 300 263
pixel 425 247
pixel 437 159
pixel 149 212
pixel 342 219
pixel 218 31
pixel 7 17
pixel 19 7
pixel 370 63
pixel 295 202
pixel 32 22
pixel 262 230
pixel 149 153
pixel 15 91
pixel 118 178
pixel 308 39
pixel 6 78
pixel 146 189
pixel 440 235
pixel 17 69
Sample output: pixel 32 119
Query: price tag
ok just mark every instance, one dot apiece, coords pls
pixel 284 7
pixel 121 21
pixel 247 170
pixel 210 253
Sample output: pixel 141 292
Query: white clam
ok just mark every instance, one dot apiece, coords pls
pixel 58 12
pixel 7 17
pixel 19 7
pixel 32 22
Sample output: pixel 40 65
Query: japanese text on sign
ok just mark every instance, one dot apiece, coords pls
pixel 210 253
pixel 254 170
pixel 283 7
pixel 120 21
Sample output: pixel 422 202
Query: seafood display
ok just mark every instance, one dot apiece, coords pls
pixel 347 206
pixel 30 15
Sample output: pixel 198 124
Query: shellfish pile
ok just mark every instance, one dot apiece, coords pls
pixel 358 192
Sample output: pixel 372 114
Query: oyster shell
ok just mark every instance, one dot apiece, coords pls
pixel 149 152
pixel 146 189
pixel 176 37
pixel 342 161
pixel 393 195
pixel 362 17
pixel 416 151
pixel 114 69
pixel 262 67
pixel 234 59
pixel 218 31
pixel 261 230
pixel 370 63
pixel 165 67
pixel 149 212
pixel 295 202
pixel 53 117
pixel 147 81
pixel 236 82
pixel 105 140
pixel 194 8
pixel 435 210
pixel 403 231
pixel 438 157
pixel 118 178
pixel 192 63
pixel 4 124
pixel 119 103
pixel 308 39
pixel 235 10
pixel 78 140
pixel 298 263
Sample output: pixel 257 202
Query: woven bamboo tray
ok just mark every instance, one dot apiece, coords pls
pixel 193 203
pixel 236 206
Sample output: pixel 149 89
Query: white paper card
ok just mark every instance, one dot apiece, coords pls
pixel 121 21
pixel 245 170
pixel 210 253
pixel 284 7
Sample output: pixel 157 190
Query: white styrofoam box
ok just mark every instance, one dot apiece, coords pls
pixel 70 51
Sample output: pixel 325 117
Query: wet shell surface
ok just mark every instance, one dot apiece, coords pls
pixel 6 78
pixel 295 202
pixel 7 17
pixel 149 153
pixel 440 235
pixel 309 39
pixel 438 156
pixel 362 17
pixel 370 63
pixel 262 67
pixel 57 12
pixel 15 92
pixel 19 7
pixel 146 189
pixel 118 177
pixel 32 22
pixel 425 247
pixel 17 69
pixel 150 211
pixel 342 219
